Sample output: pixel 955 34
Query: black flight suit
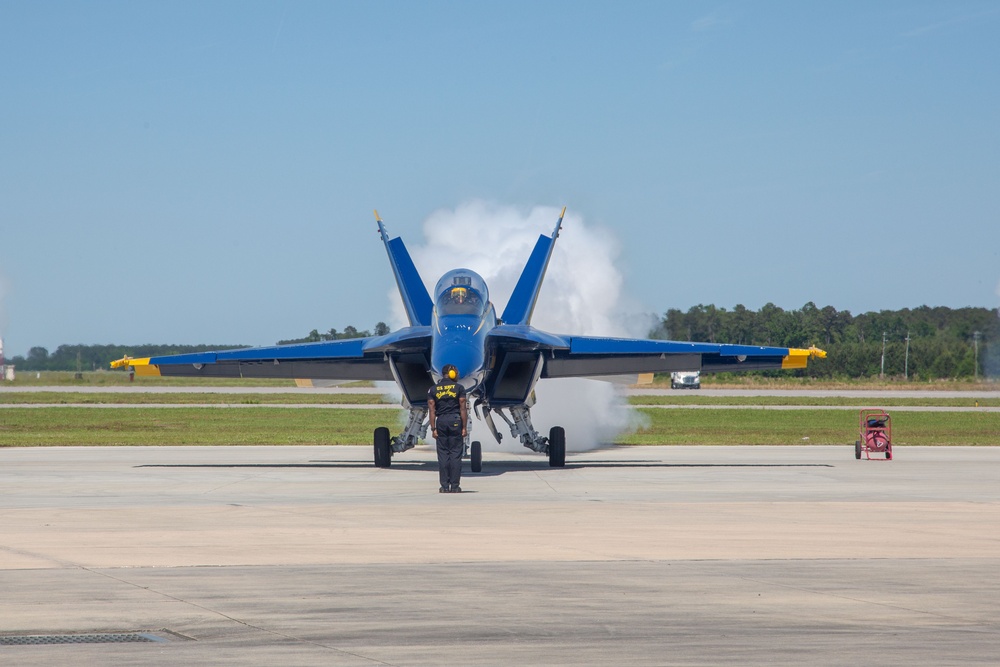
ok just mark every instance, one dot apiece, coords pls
pixel 450 443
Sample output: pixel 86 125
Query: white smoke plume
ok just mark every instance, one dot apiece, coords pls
pixel 581 294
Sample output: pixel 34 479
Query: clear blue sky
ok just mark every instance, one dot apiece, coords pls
pixel 205 172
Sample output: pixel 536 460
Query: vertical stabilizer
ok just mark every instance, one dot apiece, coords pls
pixel 522 300
pixel 416 301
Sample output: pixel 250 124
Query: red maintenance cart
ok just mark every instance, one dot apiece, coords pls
pixel 875 434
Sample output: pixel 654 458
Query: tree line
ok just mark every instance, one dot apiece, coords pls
pixel 922 343
pixel 95 357
pixel 315 336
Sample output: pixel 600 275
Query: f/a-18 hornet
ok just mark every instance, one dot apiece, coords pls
pixel 499 359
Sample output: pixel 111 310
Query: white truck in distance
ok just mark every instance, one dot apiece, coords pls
pixel 685 380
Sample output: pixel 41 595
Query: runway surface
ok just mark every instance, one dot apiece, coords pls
pixel 628 556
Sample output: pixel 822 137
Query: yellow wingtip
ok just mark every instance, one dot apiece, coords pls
pixel 799 357
pixel 127 361
pixel 377 215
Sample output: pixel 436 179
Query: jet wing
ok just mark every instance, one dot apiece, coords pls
pixel 591 356
pixel 594 356
pixel 369 358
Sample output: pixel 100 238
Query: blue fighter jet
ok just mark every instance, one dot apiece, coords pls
pixel 499 359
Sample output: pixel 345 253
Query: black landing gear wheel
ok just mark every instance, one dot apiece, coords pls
pixel 383 451
pixel 557 447
pixel 476 456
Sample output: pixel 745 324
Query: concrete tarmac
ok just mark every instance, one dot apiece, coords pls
pixel 627 556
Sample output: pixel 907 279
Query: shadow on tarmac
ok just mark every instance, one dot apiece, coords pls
pixel 489 469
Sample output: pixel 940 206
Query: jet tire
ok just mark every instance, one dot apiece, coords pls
pixel 476 456
pixel 383 451
pixel 557 447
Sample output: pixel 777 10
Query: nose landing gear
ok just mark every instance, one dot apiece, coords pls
pixel 476 456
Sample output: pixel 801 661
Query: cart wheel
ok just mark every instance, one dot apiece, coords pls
pixel 888 452
pixel 857 449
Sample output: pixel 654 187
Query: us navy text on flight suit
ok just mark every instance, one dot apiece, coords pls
pixel 446 396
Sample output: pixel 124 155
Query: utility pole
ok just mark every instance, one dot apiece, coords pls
pixel 906 359
pixel 975 342
pixel 882 372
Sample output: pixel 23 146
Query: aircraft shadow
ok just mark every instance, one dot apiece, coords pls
pixel 500 468
pixel 490 469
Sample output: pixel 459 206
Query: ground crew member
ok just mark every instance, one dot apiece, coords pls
pixel 446 407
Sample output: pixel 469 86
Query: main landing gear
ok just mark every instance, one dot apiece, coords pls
pixel 557 447
pixel 520 427
pixel 386 446
pixel 383 451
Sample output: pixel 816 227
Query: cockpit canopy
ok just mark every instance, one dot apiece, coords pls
pixel 460 301
pixel 461 292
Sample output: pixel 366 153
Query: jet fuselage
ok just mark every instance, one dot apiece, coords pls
pixel 463 317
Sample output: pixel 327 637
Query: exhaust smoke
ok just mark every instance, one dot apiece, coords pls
pixel 582 294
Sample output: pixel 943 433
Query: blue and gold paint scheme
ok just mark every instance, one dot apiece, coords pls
pixel 499 360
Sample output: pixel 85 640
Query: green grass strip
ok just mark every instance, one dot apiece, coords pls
pixel 69 426
pixel 876 401
pixel 807 427
pixel 43 427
